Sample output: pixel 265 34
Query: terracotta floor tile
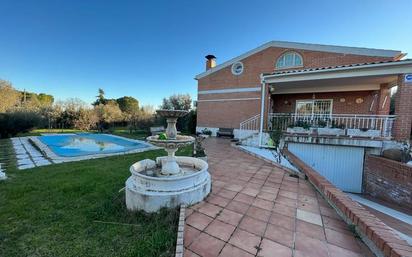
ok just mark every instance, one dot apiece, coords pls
pixel 342 240
pixel 263 204
pixel 288 194
pixel 310 230
pixel 189 253
pixel 280 235
pixel 284 210
pixel 309 207
pixel 232 251
pixel 270 190
pixel 198 220
pixel 341 252
pixel 190 234
pixel 238 207
pixel 282 221
pixel 266 196
pixel 210 209
pixel 273 249
pixel 253 226
pixel 218 200
pixel 337 225
pixel 244 198
pixel 286 201
pixel 250 191
pixel 233 187
pixel 258 213
pixel 245 240
pixel 227 194
pixel 207 246
pixel 230 217
pixel 311 246
pixel 220 230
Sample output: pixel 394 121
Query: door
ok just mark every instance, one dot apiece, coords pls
pixel 341 165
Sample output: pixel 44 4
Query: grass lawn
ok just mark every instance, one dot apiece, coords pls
pixel 76 209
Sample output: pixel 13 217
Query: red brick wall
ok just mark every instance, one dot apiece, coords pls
pixel 349 106
pixel 403 110
pixel 231 113
pixel 388 180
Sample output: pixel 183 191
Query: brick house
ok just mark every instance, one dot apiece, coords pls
pixel 319 84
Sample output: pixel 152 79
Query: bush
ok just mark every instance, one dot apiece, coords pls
pixel 12 123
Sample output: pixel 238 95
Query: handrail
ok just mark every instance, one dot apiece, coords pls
pixel 383 123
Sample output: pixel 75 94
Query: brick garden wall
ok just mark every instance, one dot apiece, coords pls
pixel 388 180
pixel 380 238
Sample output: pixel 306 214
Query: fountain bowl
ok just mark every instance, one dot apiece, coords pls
pixel 172 113
pixel 148 191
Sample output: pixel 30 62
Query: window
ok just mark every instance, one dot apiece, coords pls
pixel 314 109
pixel 237 68
pixel 289 60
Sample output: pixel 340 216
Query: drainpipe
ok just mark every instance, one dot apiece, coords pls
pixel 262 110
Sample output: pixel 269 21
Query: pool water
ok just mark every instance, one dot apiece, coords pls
pixel 71 145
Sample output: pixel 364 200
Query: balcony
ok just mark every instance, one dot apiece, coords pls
pixel 352 125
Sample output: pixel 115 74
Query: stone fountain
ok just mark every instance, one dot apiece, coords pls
pixel 170 180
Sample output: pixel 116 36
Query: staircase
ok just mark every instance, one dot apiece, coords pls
pixel 249 131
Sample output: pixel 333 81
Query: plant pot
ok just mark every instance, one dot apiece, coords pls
pixel 360 133
pixel 298 130
pixel 331 131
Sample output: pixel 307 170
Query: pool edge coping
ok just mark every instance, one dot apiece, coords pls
pixel 59 159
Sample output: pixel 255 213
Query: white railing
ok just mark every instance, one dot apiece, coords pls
pixel 383 123
pixel 249 126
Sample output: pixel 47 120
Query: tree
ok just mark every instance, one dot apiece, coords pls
pixel 107 114
pixel 100 98
pixel 45 100
pixel 177 102
pixel 128 104
pixel 86 120
pixel 9 97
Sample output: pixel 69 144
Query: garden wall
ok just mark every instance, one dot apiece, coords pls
pixel 388 180
pixel 380 238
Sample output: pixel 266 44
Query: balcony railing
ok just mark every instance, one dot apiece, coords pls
pixel 383 123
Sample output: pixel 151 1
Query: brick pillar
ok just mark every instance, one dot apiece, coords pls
pixel 403 110
pixel 384 100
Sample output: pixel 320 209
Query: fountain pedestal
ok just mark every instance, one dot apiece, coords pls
pixel 171 180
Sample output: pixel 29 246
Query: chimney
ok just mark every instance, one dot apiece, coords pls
pixel 210 61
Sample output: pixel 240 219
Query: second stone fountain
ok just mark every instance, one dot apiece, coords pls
pixel 170 180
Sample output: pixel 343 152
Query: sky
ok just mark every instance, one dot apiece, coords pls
pixel 153 49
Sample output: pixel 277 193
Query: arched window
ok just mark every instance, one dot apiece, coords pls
pixel 289 60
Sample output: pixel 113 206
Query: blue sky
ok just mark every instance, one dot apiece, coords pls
pixel 152 49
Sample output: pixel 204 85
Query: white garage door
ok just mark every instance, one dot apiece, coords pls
pixel 341 165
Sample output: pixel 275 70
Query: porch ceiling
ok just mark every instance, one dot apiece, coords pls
pixel 332 85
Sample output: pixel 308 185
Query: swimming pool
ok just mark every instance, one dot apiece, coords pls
pixel 74 145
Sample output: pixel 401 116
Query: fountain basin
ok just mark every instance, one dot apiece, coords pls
pixel 147 189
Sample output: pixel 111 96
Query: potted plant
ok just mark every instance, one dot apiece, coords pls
pixel 364 132
pixel 334 130
pixel 299 127
pixel 206 132
pixel 198 150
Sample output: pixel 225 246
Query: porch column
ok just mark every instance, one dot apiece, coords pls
pixel 262 110
pixel 384 100
pixel 403 110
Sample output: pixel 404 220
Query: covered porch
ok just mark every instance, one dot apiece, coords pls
pixel 350 101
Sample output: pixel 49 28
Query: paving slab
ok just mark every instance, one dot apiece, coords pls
pixel 256 209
